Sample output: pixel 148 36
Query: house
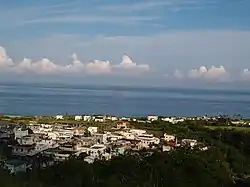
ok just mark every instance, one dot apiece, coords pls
pixel 92 130
pixel 23 150
pixel 137 131
pixel 100 119
pixel 128 135
pixel 172 143
pixel 121 125
pixel 173 120
pixel 59 117
pixel 97 151
pixel 113 137
pixel 89 159
pixel 168 119
pixel 114 118
pixel 152 118
pixel 58 154
pixel 4 135
pixel 100 138
pixel 28 140
pixel 76 144
pixel 65 133
pixel 15 166
pixel 53 135
pixel 46 143
pixel 19 133
pixel 125 119
pixel 87 141
pixel 189 142
pixel 147 140
pixel 166 148
pixel 118 150
pixel 44 128
pixel 87 118
pixel 78 118
pixel 168 137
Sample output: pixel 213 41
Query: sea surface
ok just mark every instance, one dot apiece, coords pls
pixel 32 99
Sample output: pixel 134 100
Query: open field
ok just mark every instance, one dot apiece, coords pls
pixel 246 129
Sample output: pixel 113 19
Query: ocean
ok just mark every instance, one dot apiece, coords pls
pixel 40 99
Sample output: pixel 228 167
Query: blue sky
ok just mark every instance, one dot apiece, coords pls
pixel 165 41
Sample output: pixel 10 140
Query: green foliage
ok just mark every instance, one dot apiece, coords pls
pixel 180 168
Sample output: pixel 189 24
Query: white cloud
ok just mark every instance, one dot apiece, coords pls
pixel 195 73
pixel 128 64
pixel 5 61
pixel 76 66
pixel 99 67
pixel 245 74
pixel 120 20
pixel 213 73
pixel 165 52
pixel 46 66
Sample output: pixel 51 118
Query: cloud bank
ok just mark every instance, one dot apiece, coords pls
pixel 213 73
pixel 203 73
pixel 46 66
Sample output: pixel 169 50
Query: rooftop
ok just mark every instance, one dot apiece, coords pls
pixel 15 162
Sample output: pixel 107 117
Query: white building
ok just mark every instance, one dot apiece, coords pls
pixel 98 151
pixel 89 159
pixel 125 119
pixel 101 138
pixel 113 137
pixel 93 130
pixel 169 137
pixel 53 135
pixel 59 116
pixel 166 148
pixel 46 128
pixel 189 142
pixel 23 150
pixel 100 119
pixel 114 118
pixel 173 120
pixel 152 118
pixel 15 166
pixel 28 140
pixel 87 118
pixel 65 133
pixel 146 141
pixel 137 131
pixel 19 133
pixel 78 118
pixel 128 135
pixel 58 154
pixel 121 124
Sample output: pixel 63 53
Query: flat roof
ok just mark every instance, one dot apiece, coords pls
pixel 97 146
pixel 15 162
pixel 59 151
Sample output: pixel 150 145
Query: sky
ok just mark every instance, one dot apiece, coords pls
pixel 144 42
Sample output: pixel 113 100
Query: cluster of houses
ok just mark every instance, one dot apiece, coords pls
pixel 148 119
pixel 42 145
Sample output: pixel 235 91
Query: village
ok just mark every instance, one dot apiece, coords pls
pixel 41 145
